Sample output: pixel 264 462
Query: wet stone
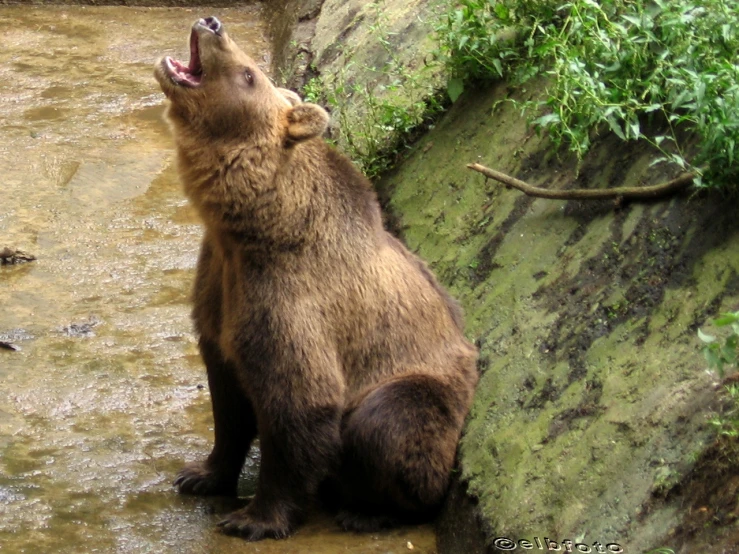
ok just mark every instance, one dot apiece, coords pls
pixel 82 329
pixel 9 338
pixel 9 256
pixel 8 346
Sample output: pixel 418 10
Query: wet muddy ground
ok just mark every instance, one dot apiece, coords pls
pixel 106 396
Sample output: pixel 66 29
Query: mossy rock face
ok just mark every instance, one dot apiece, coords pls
pixel 369 63
pixel 352 30
pixel 591 409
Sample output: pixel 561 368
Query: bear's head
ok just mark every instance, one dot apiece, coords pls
pixel 222 94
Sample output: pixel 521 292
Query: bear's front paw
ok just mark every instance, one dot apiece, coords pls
pixel 198 478
pixel 245 524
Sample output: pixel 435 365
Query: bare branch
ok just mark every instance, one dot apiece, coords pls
pixel 632 193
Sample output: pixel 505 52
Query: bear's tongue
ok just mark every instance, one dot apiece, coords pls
pixel 188 75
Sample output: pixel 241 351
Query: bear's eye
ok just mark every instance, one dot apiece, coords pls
pixel 249 76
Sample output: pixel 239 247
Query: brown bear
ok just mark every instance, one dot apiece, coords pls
pixel 322 334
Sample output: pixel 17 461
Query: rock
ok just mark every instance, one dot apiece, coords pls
pixel 9 256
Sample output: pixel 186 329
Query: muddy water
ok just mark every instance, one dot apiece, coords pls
pixel 106 397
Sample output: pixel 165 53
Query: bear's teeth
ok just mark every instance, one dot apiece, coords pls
pixel 181 74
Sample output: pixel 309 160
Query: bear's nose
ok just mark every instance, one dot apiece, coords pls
pixel 212 24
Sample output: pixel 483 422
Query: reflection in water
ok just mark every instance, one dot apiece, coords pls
pixel 106 398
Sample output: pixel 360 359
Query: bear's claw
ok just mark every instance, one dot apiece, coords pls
pixel 242 524
pixel 197 479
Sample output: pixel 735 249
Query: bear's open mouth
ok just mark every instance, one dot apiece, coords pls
pixel 189 75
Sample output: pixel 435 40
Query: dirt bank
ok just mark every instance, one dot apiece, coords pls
pixel 591 411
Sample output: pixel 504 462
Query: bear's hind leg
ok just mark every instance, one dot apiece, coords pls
pixel 235 428
pixel 398 448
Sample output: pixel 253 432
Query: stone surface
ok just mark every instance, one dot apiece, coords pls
pixel 345 36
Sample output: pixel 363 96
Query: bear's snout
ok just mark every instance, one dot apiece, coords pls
pixel 209 24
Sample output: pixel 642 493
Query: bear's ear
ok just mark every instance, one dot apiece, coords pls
pixel 290 96
pixel 306 121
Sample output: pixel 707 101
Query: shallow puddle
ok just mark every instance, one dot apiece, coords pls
pixel 106 397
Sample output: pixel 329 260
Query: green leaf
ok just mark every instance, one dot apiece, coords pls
pixel 680 100
pixel 714 360
pixel 615 127
pixel 455 88
pixel 726 32
pixel 728 351
pixel 708 339
pixel 498 66
pixel 727 319
pixel 636 21
pixel 501 10
pixel 546 120
pixel 678 160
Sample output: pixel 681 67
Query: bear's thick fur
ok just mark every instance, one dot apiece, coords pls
pixel 321 333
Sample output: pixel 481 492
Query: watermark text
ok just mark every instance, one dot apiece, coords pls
pixel 505 544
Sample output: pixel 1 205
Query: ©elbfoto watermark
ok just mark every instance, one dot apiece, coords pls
pixel 505 544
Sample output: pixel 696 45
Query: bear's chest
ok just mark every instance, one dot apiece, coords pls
pixel 268 309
